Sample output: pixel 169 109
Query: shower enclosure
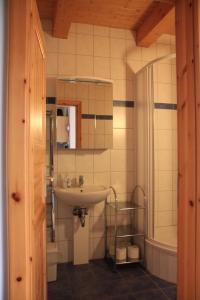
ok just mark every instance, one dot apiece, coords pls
pixel 157 161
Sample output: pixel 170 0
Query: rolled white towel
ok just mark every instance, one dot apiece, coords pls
pixel 133 252
pixel 121 253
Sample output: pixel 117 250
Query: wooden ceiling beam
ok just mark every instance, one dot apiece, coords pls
pixel 158 19
pixel 61 21
pixel 165 1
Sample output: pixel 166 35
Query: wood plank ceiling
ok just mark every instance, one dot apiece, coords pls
pixel 149 19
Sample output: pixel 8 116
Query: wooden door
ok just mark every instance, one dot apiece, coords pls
pixel 26 154
pixel 37 144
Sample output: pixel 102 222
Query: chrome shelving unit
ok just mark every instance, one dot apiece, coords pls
pixel 131 233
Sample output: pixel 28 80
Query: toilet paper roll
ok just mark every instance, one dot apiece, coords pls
pixel 133 252
pixel 121 253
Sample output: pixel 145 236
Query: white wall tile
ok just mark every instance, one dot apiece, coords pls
pixel 84 126
pixel 101 31
pixel 51 43
pixel 65 251
pixel 84 161
pixel 164 73
pixel 165 93
pixel 123 138
pixel 164 218
pixel 175 202
pixel 66 64
pixel 101 161
pixel 165 181
pixel 117 33
pixel 119 89
pixel 102 67
pixel 82 91
pixel 165 200
pixel 165 139
pixel 174 139
pixel 123 118
pixel 102 178
pixel 101 46
pixel 165 162
pixel 67 46
pixel 85 141
pixel 118 69
pixel 122 160
pixel 52 64
pixel 117 48
pixel 66 161
pixel 84 44
pixel 64 229
pixel 50 87
pixel 123 182
pixel 164 119
pixel 84 65
pixel 174 180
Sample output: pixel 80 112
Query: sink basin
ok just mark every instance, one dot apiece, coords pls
pixel 85 196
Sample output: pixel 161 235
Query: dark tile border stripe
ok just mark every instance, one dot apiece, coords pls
pixel 117 103
pixel 51 100
pixel 88 116
pixel 98 117
pixel 104 117
pixel 122 103
pixel 165 106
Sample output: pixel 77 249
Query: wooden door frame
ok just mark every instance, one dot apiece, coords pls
pixel 188 104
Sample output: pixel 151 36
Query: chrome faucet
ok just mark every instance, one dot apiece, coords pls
pixel 81 180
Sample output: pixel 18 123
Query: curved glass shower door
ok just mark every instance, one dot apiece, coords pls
pixel 157 147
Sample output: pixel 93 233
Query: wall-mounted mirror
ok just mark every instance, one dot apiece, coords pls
pixel 84 113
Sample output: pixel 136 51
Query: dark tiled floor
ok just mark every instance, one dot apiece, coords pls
pixel 96 281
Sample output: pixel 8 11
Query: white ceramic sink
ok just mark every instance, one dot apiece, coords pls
pixel 85 196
